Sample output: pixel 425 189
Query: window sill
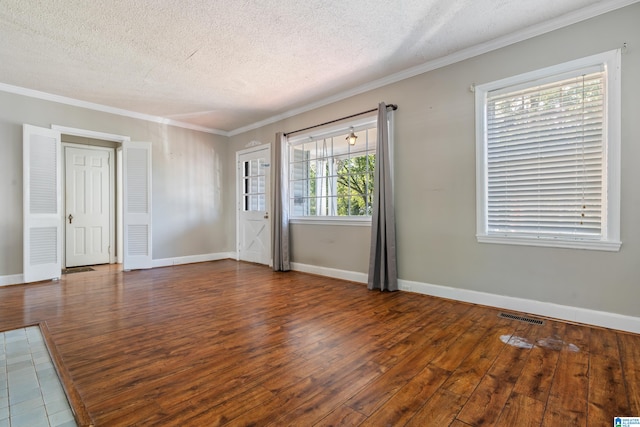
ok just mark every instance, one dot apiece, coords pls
pixel 609 246
pixel 333 220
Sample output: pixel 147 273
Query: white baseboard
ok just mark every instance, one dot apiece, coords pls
pixel 546 309
pixel 352 276
pixel 14 279
pixel 165 262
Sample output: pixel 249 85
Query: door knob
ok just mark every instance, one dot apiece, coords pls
pixel 266 215
pixel 70 218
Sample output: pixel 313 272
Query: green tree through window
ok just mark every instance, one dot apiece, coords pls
pixel 355 185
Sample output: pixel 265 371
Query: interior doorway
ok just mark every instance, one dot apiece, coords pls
pixel 43 213
pixel 92 195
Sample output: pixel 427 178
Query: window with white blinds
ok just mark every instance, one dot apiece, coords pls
pixel 544 169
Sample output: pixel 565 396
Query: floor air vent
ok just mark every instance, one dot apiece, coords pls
pixel 76 270
pixel 521 318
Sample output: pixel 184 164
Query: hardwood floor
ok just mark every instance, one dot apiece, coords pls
pixel 227 343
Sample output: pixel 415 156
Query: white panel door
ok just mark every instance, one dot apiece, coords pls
pixel 254 226
pixel 136 218
pixel 87 205
pixel 42 241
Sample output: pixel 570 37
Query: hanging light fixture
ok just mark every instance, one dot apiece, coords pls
pixel 352 138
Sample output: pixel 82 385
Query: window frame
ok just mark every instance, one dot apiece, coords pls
pixel 610 225
pixel 357 125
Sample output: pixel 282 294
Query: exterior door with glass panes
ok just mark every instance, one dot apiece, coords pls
pixel 254 225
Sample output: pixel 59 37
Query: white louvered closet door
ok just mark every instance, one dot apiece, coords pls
pixel 42 241
pixel 136 159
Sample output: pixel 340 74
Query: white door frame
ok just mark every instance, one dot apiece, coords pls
pixel 122 140
pixel 48 236
pixel 112 199
pixel 239 200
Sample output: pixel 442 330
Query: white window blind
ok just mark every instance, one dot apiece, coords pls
pixel 545 158
pixel 548 156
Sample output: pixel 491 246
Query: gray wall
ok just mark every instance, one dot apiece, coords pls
pixel 435 181
pixel 188 173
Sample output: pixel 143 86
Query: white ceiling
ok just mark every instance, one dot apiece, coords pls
pixel 227 64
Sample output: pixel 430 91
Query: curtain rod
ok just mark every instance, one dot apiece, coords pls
pixel 392 106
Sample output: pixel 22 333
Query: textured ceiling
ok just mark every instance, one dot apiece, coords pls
pixel 227 64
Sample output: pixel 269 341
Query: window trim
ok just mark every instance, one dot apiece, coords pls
pixel 362 221
pixel 610 239
pixel 357 125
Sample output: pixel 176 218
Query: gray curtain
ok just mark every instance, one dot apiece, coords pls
pixel 383 272
pixel 280 217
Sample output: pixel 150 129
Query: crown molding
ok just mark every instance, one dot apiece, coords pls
pixel 491 45
pixel 31 93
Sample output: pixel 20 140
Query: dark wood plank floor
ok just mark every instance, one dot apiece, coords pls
pixel 227 343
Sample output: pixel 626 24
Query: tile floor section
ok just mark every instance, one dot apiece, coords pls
pixel 30 391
